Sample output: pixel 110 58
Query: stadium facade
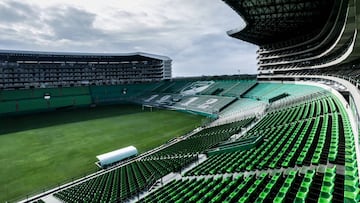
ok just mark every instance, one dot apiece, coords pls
pixel 300 36
pixel 28 69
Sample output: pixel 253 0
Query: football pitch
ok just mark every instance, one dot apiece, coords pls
pixel 44 150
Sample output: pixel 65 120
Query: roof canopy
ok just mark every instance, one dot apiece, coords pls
pixel 14 55
pixel 269 21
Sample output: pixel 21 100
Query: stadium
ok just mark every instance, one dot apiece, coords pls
pixel 90 127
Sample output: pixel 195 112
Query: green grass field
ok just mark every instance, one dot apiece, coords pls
pixel 42 150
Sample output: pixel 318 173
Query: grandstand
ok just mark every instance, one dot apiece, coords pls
pixel 313 36
pixel 28 69
pixel 292 135
pixel 174 94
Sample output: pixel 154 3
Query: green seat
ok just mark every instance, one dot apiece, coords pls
pixel 325 198
pixel 352 194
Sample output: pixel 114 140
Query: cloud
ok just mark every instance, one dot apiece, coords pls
pixel 14 12
pixel 192 33
pixel 216 57
pixel 68 23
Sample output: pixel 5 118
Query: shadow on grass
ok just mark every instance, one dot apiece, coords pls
pixel 17 123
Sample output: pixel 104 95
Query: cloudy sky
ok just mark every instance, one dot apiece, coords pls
pixel 191 32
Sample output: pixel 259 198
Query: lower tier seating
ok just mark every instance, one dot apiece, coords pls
pixel 121 183
pixel 204 139
pixel 319 184
pixel 319 139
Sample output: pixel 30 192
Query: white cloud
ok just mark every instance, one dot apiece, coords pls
pixel 191 32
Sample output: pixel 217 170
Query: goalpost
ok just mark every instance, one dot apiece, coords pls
pixel 144 106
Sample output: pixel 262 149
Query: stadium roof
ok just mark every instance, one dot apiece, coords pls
pixel 57 55
pixel 269 21
pixel 300 34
